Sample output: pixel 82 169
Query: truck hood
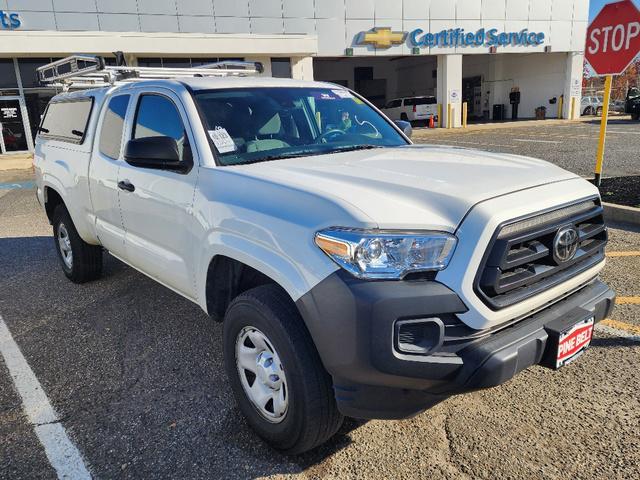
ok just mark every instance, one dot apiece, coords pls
pixel 413 187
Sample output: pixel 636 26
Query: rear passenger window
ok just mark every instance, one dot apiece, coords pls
pixel 112 126
pixel 420 101
pixel 67 120
pixel 157 116
pixel 394 103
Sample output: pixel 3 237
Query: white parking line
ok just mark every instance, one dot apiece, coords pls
pixel 535 141
pixel 63 455
pixel 610 130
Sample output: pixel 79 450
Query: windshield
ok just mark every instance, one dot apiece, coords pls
pixel 250 125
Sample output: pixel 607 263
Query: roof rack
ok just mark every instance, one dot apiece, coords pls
pixel 90 71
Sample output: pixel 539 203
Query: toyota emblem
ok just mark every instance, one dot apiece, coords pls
pixel 565 244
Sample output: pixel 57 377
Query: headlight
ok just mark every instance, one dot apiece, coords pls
pixel 379 254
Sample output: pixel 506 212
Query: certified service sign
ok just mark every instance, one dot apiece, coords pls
pixel 384 37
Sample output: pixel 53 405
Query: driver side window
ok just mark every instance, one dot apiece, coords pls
pixel 157 116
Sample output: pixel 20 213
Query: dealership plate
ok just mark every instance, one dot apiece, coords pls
pixel 573 342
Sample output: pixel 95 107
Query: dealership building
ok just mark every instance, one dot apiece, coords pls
pixel 480 53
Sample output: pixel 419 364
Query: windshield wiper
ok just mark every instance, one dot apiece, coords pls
pixel 351 148
pixel 266 158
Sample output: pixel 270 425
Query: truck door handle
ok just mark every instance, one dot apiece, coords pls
pixel 126 185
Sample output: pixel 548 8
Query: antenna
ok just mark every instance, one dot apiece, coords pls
pixel 90 71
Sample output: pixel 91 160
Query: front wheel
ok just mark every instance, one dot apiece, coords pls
pixel 81 262
pixel 275 372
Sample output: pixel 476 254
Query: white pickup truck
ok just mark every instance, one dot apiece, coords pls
pixel 356 274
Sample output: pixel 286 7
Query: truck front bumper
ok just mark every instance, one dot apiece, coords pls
pixel 353 324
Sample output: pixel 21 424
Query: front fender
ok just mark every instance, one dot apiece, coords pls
pixel 272 260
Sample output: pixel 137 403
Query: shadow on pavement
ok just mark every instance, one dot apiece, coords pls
pixel 135 372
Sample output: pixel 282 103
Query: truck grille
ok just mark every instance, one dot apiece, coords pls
pixel 520 260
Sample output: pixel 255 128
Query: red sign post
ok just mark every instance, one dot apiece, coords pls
pixel 613 41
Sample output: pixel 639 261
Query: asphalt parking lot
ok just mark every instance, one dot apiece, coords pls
pixel 135 375
pixel 569 145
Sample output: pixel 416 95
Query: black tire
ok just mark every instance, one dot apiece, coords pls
pixel 404 117
pixel 86 260
pixel 312 416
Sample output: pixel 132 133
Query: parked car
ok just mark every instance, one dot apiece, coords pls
pixel 412 109
pixel 632 103
pixel 356 274
pixel 617 106
pixel 591 106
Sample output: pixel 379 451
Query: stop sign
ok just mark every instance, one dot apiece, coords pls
pixel 613 38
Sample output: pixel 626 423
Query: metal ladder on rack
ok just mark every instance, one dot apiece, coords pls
pixel 90 71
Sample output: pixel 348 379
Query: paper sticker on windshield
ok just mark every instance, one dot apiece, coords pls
pixel 324 95
pixel 222 140
pixel 342 93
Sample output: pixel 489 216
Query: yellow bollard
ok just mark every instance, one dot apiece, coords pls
pixel 464 114
pixel 572 109
pixel 440 115
pixel 448 115
pixel 603 129
pixel 560 104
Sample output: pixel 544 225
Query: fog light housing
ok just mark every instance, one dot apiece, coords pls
pixel 420 336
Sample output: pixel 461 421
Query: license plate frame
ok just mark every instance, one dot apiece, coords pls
pixel 573 342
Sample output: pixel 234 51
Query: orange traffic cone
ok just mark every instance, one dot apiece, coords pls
pixel 431 124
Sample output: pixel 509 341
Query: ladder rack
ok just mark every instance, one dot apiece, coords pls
pixel 90 71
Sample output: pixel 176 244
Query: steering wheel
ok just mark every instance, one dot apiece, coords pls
pixel 330 135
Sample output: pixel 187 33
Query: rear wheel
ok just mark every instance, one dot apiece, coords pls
pixel 404 117
pixel 81 262
pixel 275 372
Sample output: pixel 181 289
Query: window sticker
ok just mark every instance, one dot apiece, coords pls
pixel 222 140
pixel 342 93
pixel 324 95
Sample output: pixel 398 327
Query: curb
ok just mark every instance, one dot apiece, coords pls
pixel 424 131
pixel 16 162
pixel 621 213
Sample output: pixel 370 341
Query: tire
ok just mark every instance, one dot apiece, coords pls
pixel 404 117
pixel 311 416
pixel 85 262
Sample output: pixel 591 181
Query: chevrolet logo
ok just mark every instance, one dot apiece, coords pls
pixel 382 37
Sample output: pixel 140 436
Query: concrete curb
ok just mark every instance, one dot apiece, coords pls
pixel 16 162
pixel 423 131
pixel 621 213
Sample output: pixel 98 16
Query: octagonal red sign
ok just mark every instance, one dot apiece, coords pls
pixel 613 38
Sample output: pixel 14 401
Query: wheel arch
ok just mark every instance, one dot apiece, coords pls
pixel 52 198
pixel 237 264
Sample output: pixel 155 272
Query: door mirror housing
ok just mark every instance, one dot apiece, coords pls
pixel 160 153
pixel 405 127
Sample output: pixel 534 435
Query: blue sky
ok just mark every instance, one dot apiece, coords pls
pixel 596 5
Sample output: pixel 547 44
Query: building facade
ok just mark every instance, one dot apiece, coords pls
pixel 484 53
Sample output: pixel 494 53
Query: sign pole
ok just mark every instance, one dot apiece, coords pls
pixel 603 129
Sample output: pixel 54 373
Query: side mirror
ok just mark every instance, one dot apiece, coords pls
pixel 159 153
pixel 405 127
